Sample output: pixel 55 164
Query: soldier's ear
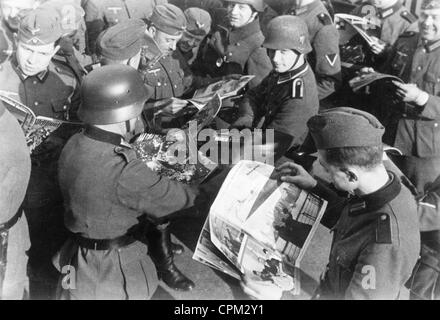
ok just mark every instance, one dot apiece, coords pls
pixel 151 31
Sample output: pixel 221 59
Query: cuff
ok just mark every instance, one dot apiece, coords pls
pixel 422 99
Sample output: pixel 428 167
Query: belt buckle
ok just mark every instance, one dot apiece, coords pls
pixel 95 246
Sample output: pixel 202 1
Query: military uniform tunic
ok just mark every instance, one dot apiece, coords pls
pixel 51 93
pixel 418 129
pixel 324 37
pixel 228 51
pixel 285 102
pixel 107 191
pixel 102 14
pixel 376 242
pixel 15 168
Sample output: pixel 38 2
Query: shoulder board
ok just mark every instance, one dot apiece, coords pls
pixel 61 67
pixel 324 18
pixel 383 229
pixel 125 152
pixel 408 16
pixel 408 34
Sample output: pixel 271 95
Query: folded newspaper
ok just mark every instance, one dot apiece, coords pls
pixel 224 89
pixel 367 78
pixel 36 128
pixel 259 228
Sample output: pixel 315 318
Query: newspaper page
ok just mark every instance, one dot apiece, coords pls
pixel 264 229
pixel 366 79
pixel 359 25
pixel 224 88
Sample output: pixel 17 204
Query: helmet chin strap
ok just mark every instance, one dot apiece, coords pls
pixel 127 126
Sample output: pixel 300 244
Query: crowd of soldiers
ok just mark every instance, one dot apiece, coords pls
pixel 112 69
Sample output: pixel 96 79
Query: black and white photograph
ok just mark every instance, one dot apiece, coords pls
pixel 214 155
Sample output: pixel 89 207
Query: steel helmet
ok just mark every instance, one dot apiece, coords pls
pixel 287 32
pixel 112 94
pixel 258 5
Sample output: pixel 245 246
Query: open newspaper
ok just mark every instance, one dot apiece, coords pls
pixel 36 128
pixel 358 25
pixel 224 89
pixel 261 227
pixel 158 152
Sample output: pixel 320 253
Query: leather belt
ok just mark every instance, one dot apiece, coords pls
pixel 11 222
pixel 103 244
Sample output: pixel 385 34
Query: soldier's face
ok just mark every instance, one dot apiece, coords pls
pixel 282 60
pixel 11 8
pixel 167 43
pixel 429 24
pixel 189 42
pixel 339 178
pixel 34 59
pixel 240 14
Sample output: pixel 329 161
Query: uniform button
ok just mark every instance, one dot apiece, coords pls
pixel 424 50
pixel 64 107
pixel 419 68
pixel 159 84
pixel 383 217
pixel 435 125
pixel 238 44
pixel 34 82
pixel 36 103
pixel 165 84
pixel 175 86
pixel 338 259
pixel 230 53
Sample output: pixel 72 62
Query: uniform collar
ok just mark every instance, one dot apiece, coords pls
pixel 40 76
pixel 384 13
pixel 241 33
pixel 105 136
pixel 297 9
pixel 290 75
pixel 429 46
pixel 374 201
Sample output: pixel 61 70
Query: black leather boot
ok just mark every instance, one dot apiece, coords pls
pixel 159 240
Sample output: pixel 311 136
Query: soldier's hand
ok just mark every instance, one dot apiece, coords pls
pixel 365 70
pixel 409 92
pixel 173 106
pixel 294 173
pixel 378 47
pixel 242 123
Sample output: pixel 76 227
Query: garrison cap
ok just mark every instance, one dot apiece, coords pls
pixel 430 4
pixel 40 27
pixel 198 21
pixel 169 19
pixel 121 41
pixel 70 13
pixel 345 127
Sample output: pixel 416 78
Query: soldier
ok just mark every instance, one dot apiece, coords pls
pixel 391 19
pixel 236 49
pixel 198 27
pixel 72 43
pixel 288 96
pixel 376 239
pixel 108 192
pixel 15 169
pixel 121 44
pixel 49 88
pixel 102 14
pixel 415 58
pixel 324 37
pixel 10 19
